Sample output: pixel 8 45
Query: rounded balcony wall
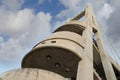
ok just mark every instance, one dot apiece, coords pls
pixel 72 26
pixel 57 59
pixel 30 74
pixel 57 55
pixel 66 35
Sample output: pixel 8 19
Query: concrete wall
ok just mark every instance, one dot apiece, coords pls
pixel 30 74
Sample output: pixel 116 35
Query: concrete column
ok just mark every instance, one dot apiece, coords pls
pixel 88 50
pixel 85 66
pixel 85 70
pixel 109 72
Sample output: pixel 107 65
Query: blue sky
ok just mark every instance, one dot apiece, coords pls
pixel 23 23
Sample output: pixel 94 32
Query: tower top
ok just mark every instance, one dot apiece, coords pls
pixel 89 16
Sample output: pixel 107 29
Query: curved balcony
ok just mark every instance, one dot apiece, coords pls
pixel 72 26
pixel 30 74
pixel 59 53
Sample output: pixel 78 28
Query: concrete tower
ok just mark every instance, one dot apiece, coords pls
pixel 74 51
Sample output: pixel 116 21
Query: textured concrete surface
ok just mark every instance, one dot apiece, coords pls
pixel 30 74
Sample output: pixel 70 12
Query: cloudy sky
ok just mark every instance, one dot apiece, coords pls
pixel 23 23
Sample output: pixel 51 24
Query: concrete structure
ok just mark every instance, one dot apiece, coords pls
pixel 71 52
pixel 30 74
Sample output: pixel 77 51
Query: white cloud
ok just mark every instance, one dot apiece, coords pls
pixel 29 26
pixel 71 3
pixel 115 3
pixel 24 28
pixel 72 6
pixel 12 5
pixel 15 22
pixel 105 11
pixel 64 14
pixel 10 50
pixel 97 4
